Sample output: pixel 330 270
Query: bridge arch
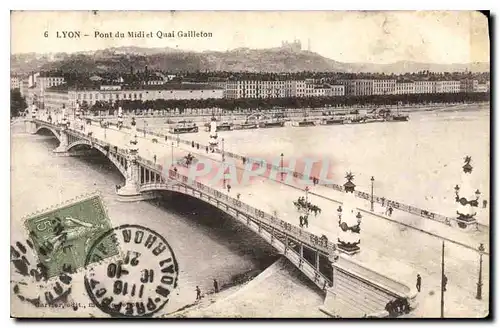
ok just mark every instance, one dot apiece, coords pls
pixel 271 234
pixel 112 157
pixel 47 128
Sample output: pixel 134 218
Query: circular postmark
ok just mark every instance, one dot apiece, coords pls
pixel 139 283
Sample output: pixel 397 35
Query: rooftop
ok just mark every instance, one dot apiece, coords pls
pixel 166 86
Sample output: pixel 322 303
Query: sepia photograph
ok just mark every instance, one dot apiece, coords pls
pixel 250 164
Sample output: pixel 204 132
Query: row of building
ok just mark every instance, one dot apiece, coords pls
pixel 355 87
pixel 50 92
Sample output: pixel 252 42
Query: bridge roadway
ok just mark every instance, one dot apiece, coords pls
pixel 387 247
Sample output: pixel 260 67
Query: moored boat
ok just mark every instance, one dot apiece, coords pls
pixel 225 126
pixel 332 121
pixel 184 127
pixel 398 118
pixel 305 123
pixel 276 124
pixel 247 125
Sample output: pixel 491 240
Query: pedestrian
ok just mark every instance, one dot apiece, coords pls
pixel 216 286
pixel 445 281
pixel 206 148
pixel 301 218
pixel 154 158
pixel 306 221
pixel 238 196
pixel 198 293
pixel 419 282
pixel 390 211
pixel 228 188
pixel 389 307
pixel 192 144
pixel 485 203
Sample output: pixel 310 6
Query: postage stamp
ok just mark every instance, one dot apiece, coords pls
pixel 140 283
pixel 63 236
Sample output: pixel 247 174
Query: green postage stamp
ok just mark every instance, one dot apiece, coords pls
pixel 63 236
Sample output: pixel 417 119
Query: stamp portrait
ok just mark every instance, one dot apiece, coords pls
pixel 64 235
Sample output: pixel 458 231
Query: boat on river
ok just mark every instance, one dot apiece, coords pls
pixel 332 121
pixel 224 126
pixel 304 123
pixel 272 124
pixel 184 127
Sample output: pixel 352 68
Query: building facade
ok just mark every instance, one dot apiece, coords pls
pixel 405 88
pixel 468 85
pixel 15 82
pixel 57 98
pixel 336 90
pixel 384 87
pixel 424 87
pixel 446 86
pixel 363 87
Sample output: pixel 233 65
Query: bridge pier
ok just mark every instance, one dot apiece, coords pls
pixel 63 142
pixel 31 126
pixel 130 191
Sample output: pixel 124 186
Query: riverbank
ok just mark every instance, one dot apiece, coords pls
pixel 206 114
pixel 293 296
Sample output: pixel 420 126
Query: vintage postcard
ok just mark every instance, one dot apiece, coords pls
pixel 250 164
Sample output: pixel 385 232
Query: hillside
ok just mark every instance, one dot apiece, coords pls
pixel 121 59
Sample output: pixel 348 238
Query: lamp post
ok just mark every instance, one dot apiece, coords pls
pixel 442 281
pixel 145 128
pixel 307 192
pixel 371 201
pixel 479 293
pixel 281 165
pixel 223 165
pixel 172 153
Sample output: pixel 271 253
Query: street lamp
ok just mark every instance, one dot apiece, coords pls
pixel 172 153
pixel 223 165
pixel 145 128
pixel 480 280
pixel 371 202
pixel 281 164
pixel 307 192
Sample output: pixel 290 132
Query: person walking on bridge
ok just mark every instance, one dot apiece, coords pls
pixel 198 293
pixel 419 282
pixel 216 286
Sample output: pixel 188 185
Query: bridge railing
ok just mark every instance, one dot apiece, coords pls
pixel 293 231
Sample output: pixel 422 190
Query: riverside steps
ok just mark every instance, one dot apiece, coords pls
pixel 354 285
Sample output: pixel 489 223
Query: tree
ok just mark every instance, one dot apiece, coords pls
pixel 17 103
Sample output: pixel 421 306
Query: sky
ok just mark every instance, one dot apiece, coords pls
pixel 346 36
